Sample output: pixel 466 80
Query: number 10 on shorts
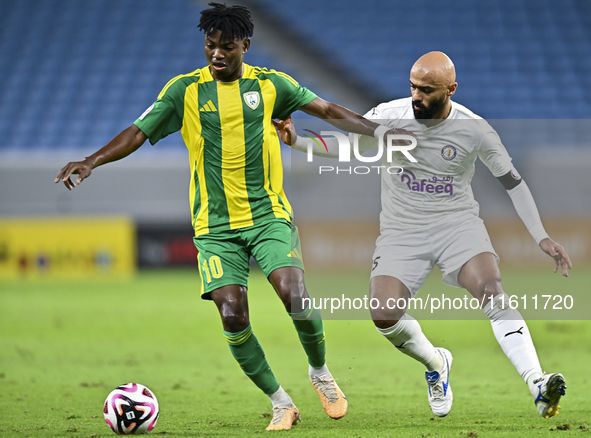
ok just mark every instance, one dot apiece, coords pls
pixel 212 268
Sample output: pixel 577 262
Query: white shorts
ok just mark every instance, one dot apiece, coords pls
pixel 410 255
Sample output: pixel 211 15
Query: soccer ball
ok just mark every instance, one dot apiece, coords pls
pixel 131 409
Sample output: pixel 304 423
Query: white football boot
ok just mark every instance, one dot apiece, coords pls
pixel 547 391
pixel 440 395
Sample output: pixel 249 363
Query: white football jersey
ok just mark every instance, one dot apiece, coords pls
pixel 437 187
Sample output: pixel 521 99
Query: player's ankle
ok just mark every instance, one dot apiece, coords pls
pixel 436 363
pixel 317 372
pixel 532 378
pixel 280 397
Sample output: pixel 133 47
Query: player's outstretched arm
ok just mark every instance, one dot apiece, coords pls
pixel 126 142
pixel 558 253
pixel 524 204
pixel 347 120
pixel 340 117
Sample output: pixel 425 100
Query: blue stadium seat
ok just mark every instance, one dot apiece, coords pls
pixel 76 72
pixel 493 38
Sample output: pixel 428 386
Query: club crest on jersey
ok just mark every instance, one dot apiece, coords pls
pixel 252 99
pixel 448 152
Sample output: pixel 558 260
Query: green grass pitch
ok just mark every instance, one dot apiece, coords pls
pixel 64 345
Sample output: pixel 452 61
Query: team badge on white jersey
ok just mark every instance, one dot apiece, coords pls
pixel 448 152
pixel 252 99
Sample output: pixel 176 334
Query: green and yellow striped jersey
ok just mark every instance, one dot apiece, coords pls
pixel 234 151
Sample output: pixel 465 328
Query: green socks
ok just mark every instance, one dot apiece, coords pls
pixel 250 356
pixel 310 330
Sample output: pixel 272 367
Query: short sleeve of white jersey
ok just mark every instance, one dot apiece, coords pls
pixel 494 155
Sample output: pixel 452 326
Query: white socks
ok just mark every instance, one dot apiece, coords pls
pixel 513 335
pixel 280 397
pixel 508 327
pixel 407 337
pixel 317 372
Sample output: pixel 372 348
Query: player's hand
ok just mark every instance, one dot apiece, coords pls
pixel 558 253
pixel 286 130
pixel 81 168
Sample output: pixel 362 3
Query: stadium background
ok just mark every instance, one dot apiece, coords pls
pixel 74 74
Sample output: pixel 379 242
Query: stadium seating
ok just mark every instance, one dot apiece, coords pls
pixel 518 59
pixel 74 73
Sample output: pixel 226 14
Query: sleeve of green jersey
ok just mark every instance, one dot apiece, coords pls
pixel 290 96
pixel 164 116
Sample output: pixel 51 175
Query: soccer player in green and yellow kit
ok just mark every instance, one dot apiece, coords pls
pixel 225 113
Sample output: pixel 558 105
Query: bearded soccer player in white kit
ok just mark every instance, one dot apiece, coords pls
pixel 429 217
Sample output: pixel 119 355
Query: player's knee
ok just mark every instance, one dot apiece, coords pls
pixel 295 299
pixel 490 288
pixel 283 288
pixel 286 298
pixel 291 292
pixel 234 322
pixel 384 317
pixel 384 324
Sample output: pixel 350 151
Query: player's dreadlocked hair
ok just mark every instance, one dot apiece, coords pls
pixel 233 21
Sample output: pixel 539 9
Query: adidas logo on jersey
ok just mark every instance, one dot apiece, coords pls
pixel 209 106
pixel 295 253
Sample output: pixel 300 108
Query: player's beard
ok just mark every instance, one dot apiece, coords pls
pixel 428 112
